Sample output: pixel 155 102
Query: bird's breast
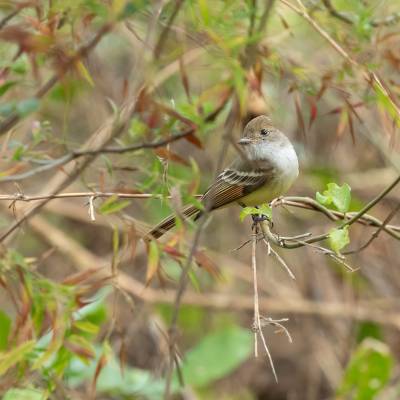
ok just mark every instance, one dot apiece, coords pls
pixel 285 171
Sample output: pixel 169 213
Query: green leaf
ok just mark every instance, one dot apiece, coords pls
pixel 132 383
pixel 27 106
pixel 368 329
pixel 5 326
pixel 264 210
pixel 216 356
pixel 18 153
pixel 153 261
pixel 368 371
pixel 14 356
pixel 25 394
pixel 20 66
pixel 113 205
pixel 339 196
pixel 386 102
pixel 339 238
pixel 85 74
pixel 6 86
pixel 86 326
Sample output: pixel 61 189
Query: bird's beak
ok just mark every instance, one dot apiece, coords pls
pixel 244 141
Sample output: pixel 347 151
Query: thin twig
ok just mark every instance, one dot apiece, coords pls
pixel 251 48
pixel 280 259
pixel 82 52
pixel 355 218
pixel 389 20
pixel 257 326
pixel 293 201
pixel 337 14
pixel 185 270
pixel 376 233
pixel 75 154
pixel 84 259
pixel 107 150
pixel 9 17
pixel 164 33
pixel 370 77
pixel 310 204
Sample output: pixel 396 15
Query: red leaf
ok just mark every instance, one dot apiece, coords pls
pixel 100 365
pixel 342 124
pixel 79 350
pixel 80 277
pixel 300 119
pixel 203 261
pixel 185 79
pixel 173 113
pixel 313 112
pixel 153 261
pixel 173 252
pixel 171 156
pixel 192 138
pixel 351 127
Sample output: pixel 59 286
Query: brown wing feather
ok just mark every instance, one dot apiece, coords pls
pixel 231 185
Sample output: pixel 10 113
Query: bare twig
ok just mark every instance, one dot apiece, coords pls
pixel 164 33
pixel 82 52
pixel 377 232
pixel 251 48
pixel 310 204
pixel 345 17
pixel 337 14
pixel 280 259
pixel 355 218
pixel 9 17
pixel 370 77
pixel 257 326
pixel 92 152
pixel 75 154
pixel 185 270
pixel 83 259
pixel 292 201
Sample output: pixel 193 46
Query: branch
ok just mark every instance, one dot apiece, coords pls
pixel 164 34
pixel 291 201
pixel 14 118
pixel 389 20
pixel 288 243
pixel 377 232
pixel 10 16
pixel 250 50
pixel 116 150
pixel 229 125
pixel 370 77
pixel 107 150
pixel 311 204
pixel 83 260
pixel 257 326
pixel 337 14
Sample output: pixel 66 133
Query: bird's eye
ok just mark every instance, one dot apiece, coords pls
pixel 264 132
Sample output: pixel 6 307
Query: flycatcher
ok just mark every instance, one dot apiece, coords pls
pixel 265 170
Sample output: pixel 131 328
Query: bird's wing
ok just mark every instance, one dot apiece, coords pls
pixel 235 182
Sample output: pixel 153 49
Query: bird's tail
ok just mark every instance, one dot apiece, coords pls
pixel 169 222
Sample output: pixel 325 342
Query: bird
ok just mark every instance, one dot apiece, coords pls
pixel 264 169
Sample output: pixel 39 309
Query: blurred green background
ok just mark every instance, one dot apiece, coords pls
pixel 85 306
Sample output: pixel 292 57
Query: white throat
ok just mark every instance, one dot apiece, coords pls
pixel 280 155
